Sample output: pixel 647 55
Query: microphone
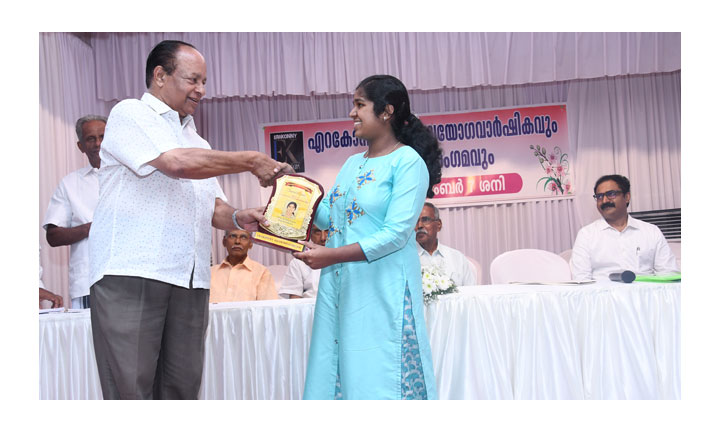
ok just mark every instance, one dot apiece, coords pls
pixel 626 276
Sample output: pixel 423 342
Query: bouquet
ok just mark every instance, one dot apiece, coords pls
pixel 435 282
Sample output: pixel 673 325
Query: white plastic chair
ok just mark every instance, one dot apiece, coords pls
pixel 278 273
pixel 566 254
pixel 478 269
pixel 528 265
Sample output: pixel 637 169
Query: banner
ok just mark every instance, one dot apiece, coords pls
pixel 504 154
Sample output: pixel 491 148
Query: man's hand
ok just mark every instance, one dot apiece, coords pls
pixel 59 236
pixel 251 218
pixel 267 169
pixel 57 301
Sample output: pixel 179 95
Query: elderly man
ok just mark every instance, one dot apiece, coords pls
pixel 432 253
pixel 70 212
pixel 151 234
pixel 300 280
pixel 617 241
pixel 238 277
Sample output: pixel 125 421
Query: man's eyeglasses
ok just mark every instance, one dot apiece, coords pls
pixel 611 194
pixel 426 220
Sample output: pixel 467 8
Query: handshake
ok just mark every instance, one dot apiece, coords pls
pixel 267 169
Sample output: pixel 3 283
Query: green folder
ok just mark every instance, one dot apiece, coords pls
pixel 673 277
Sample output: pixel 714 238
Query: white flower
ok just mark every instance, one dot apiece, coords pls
pixel 435 282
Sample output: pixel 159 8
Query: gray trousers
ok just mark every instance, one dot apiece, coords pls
pixel 149 338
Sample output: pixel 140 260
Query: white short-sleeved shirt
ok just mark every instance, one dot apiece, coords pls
pixel 73 204
pixel 148 224
pixel 601 249
pixel 299 280
pixel 454 262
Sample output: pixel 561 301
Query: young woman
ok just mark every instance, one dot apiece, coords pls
pixel 369 339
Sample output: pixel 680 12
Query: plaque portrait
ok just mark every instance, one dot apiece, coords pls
pixel 290 211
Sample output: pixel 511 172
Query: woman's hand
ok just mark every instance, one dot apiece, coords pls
pixel 315 256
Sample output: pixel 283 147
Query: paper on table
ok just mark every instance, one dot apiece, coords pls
pixel 572 282
pixel 60 309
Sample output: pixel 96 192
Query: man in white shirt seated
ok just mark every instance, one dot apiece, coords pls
pixel 301 281
pixel 70 212
pixel 618 242
pixel 432 253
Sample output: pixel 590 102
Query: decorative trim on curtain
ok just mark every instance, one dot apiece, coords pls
pixel 271 64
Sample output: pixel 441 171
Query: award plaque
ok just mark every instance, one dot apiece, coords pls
pixel 290 211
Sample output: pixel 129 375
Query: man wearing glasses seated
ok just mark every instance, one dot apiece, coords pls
pixel 238 277
pixel 617 241
pixel 432 253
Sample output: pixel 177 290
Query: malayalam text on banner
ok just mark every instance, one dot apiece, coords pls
pixel 515 153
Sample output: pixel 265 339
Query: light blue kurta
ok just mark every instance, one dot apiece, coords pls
pixel 357 329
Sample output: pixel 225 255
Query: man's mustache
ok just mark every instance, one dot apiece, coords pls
pixel 606 205
pixel 421 230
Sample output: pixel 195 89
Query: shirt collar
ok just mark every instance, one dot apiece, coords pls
pixel 248 264
pixel 162 108
pixel 632 223
pixel 89 169
pixel 438 250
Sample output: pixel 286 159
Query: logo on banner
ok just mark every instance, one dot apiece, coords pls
pixel 288 147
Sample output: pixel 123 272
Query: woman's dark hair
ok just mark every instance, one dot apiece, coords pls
pixel 162 55
pixel 385 90
pixel 291 202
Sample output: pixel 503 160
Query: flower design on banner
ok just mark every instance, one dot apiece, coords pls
pixel 435 283
pixel 334 195
pixel 556 167
pixel 353 211
pixel 366 178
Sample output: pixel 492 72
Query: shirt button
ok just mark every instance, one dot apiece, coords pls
pixel 337 273
pixel 335 341
pixel 336 305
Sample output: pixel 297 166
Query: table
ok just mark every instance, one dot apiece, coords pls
pixel 601 341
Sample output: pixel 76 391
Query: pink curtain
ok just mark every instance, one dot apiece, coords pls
pixel 67 92
pixel 271 64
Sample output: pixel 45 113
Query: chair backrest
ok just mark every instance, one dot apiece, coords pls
pixel 675 248
pixel 528 265
pixel 278 273
pixel 566 254
pixel 478 269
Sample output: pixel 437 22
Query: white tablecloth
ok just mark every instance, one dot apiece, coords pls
pixel 601 341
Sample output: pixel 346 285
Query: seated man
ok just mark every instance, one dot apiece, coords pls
pixel 300 280
pixel 431 252
pixel 239 278
pixel 617 241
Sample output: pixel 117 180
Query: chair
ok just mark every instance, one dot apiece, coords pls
pixel 278 273
pixel 528 265
pixel 566 254
pixel 478 269
pixel 675 248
